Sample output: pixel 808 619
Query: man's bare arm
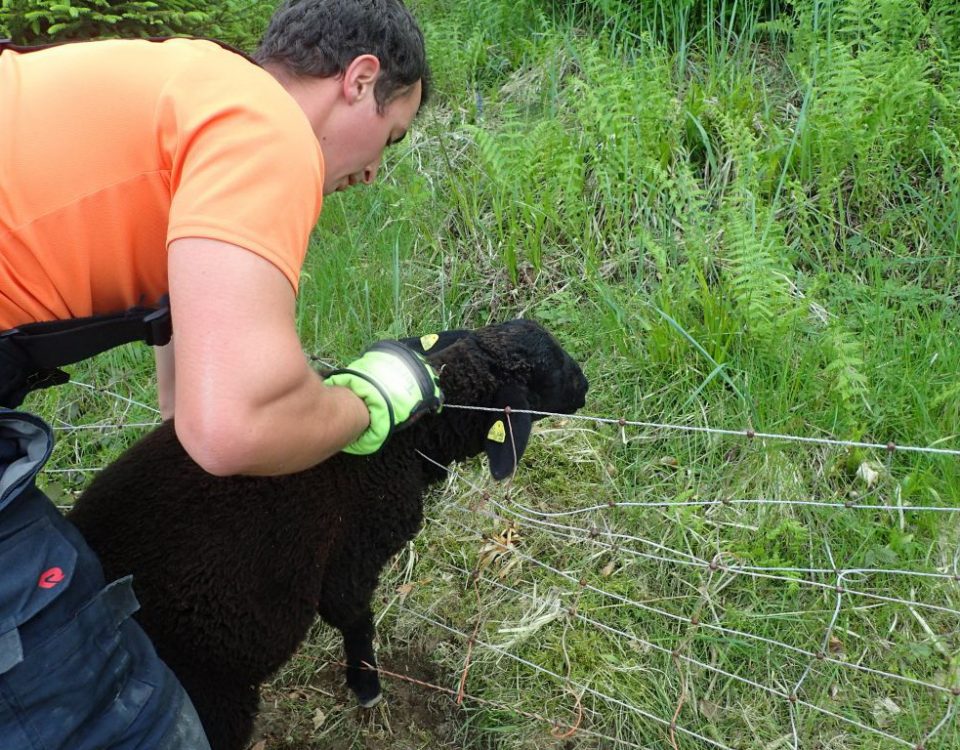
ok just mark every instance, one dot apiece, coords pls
pixel 246 400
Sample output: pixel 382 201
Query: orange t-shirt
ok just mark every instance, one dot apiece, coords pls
pixel 111 150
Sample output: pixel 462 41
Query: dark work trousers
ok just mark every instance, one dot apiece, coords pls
pixel 76 671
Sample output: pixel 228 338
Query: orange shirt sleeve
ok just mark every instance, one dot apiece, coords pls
pixel 245 166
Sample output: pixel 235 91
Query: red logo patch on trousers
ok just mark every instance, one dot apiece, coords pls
pixel 50 578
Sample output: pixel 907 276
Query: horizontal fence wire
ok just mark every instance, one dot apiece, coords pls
pixel 594 536
pixel 748 433
pixel 531 515
pixel 623 422
pixel 790 698
pixel 732 502
pixel 559 729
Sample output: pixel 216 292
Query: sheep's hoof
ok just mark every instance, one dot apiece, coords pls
pixel 371 702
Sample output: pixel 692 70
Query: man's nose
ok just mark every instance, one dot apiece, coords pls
pixel 370 172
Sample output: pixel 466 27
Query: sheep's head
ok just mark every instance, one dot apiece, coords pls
pixel 531 371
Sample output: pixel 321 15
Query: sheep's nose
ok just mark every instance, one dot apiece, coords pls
pixel 581 399
pixel 583 385
pixel 577 387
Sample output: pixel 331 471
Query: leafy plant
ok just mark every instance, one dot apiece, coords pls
pixel 41 21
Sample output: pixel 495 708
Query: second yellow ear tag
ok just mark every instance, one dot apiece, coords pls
pixel 498 433
pixel 428 341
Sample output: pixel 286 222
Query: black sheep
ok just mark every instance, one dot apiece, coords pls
pixel 231 571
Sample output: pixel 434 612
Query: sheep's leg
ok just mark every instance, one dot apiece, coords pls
pixel 362 677
pixel 358 648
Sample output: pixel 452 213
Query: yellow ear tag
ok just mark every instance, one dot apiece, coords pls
pixel 498 433
pixel 428 341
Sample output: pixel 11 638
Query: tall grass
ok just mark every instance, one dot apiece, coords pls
pixel 736 214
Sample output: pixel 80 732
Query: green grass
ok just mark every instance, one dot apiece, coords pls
pixel 733 214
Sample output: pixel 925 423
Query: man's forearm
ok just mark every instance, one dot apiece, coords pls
pixel 288 431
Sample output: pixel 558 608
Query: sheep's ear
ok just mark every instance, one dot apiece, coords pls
pixel 435 342
pixel 508 434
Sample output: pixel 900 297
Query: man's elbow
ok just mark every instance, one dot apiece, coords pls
pixel 220 446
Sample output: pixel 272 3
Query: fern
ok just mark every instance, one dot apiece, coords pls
pixel 754 275
pixel 533 188
pixel 944 18
pixel 552 187
pixel 624 115
pixel 741 142
pixel 493 153
pixel 948 190
pixel 844 371
pixel 30 21
pixel 856 22
pixel 39 21
pixel 879 82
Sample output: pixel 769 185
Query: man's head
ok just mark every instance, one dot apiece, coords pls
pixel 358 69
pixel 320 38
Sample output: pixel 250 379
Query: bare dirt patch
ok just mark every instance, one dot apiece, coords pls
pixel 325 714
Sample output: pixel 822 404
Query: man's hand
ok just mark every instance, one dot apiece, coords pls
pixel 397 385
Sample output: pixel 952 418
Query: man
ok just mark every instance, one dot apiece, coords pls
pixel 132 170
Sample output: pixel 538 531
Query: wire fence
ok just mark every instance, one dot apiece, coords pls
pixel 619 542
pixel 748 433
pixel 581 597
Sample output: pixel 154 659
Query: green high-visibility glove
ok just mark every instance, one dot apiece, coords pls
pixel 396 384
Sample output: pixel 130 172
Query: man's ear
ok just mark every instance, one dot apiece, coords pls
pixel 508 433
pixel 360 77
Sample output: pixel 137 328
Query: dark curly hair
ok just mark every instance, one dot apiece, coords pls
pixel 322 37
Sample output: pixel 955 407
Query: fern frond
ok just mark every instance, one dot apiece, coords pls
pixel 944 17
pixel 754 274
pixel 845 370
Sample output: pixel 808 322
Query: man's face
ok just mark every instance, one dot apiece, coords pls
pixel 353 147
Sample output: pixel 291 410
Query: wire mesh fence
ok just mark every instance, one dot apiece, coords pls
pixel 640 625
